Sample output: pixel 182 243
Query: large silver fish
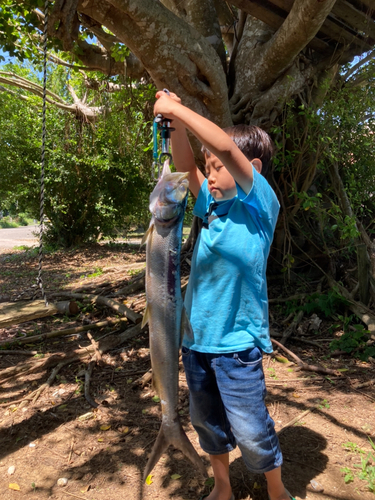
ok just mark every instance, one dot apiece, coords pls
pixel 164 309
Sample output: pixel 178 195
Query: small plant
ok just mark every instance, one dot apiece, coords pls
pixel 272 373
pixel 367 465
pixel 134 272
pixel 97 272
pixel 324 404
pixel 353 447
pixel 80 384
pixel 349 476
pixel 354 340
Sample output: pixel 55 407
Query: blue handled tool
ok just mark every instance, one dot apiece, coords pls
pixel 163 125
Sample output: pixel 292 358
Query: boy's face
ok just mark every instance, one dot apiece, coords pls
pixel 220 182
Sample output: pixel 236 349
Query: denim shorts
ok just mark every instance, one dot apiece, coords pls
pixel 227 406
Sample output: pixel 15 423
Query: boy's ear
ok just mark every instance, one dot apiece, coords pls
pixel 257 165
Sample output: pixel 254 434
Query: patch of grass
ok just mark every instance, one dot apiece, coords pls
pixel 97 272
pixel 134 272
pixel 16 221
pixel 7 222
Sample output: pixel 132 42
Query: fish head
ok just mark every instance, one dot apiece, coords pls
pixel 168 200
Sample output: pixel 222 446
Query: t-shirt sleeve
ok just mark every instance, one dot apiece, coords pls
pixel 261 200
pixel 203 201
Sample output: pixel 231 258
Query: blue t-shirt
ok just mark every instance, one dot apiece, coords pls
pixel 226 298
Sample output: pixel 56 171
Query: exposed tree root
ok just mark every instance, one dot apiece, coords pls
pixel 60 333
pixel 60 360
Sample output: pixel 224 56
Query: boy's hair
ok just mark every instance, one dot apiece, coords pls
pixel 253 143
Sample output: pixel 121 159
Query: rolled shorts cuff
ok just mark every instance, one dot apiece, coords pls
pixel 228 449
pixel 278 463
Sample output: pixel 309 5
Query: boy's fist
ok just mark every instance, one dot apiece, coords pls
pixel 166 104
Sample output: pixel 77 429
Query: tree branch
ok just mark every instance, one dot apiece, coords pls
pixel 359 64
pixel 175 54
pixel 299 28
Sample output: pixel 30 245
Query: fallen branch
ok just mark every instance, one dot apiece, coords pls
pixel 304 366
pixel 94 343
pixel 135 286
pixel 59 333
pixel 298 296
pixel 142 381
pixel 294 420
pixel 292 327
pixel 88 373
pixel 21 353
pixel 98 299
pixel 364 384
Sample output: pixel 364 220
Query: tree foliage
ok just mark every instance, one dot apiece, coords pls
pixel 97 179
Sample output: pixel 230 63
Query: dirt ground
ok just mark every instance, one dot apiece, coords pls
pixel 100 453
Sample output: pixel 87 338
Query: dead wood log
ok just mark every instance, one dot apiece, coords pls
pixel 60 333
pixel 142 381
pixel 13 313
pixel 135 286
pixel 99 299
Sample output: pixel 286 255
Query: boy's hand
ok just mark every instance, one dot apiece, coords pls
pixel 166 104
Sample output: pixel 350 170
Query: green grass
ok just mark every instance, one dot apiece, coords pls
pixel 6 223
pixel 16 221
pixel 365 470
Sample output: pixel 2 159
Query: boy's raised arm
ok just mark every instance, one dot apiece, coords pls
pixel 183 157
pixel 210 135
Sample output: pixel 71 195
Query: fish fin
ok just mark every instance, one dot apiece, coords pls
pixel 145 317
pixel 147 233
pixel 160 446
pixel 186 328
pixel 174 436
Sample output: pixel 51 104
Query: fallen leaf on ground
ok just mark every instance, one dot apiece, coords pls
pixel 14 486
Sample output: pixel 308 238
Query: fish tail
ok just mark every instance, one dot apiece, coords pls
pixel 179 440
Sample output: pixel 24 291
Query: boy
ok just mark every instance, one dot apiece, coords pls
pixel 226 299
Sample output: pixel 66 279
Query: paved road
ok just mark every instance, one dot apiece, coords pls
pixel 17 236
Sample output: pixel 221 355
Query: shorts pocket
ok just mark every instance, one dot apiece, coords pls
pixel 248 357
pixel 185 351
